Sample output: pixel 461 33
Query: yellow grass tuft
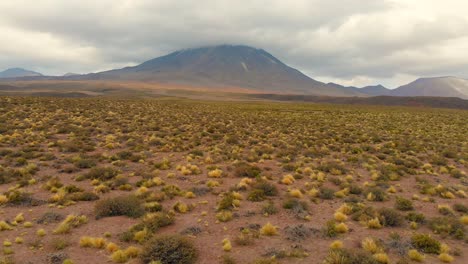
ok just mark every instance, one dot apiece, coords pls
pixel 3 199
pixel 119 256
pixel 369 245
pixel 464 219
pixel 345 209
pixel 337 244
pixel 269 230
pixel 217 173
pixel 340 217
pixel 19 218
pixel 227 245
pixel 444 257
pixel 382 258
pixel 5 226
pixel 19 240
pixel 140 235
pixel 288 179
pixel 41 232
pixel 112 247
pixel 374 223
pixel 132 252
pixel 295 193
pixel 414 255
pixel 341 228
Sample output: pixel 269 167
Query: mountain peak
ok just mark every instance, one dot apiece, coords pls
pixel 18 72
pixel 224 66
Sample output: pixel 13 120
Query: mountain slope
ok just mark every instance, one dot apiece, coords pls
pixel 224 66
pixel 375 90
pixel 438 86
pixel 18 72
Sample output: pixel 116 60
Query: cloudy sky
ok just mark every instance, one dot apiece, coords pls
pixel 352 42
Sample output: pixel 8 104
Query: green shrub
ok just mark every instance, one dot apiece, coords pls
pixel 154 221
pixel 461 208
pixel 425 243
pixel 347 256
pixel 390 217
pixel 243 169
pixel 83 196
pixel 227 202
pixel 269 209
pixel 447 225
pixel 101 173
pixel 378 194
pixel 169 249
pixel 129 206
pixel 403 204
pixel 416 217
pixel 326 193
pixel 267 188
pixel 256 195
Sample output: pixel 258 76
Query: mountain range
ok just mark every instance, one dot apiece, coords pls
pixel 238 66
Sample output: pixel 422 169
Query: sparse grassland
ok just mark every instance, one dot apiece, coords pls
pixel 101 180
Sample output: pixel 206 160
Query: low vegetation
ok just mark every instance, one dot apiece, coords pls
pixel 176 181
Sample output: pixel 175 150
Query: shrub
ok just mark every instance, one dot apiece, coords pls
pixel 267 188
pixel 346 256
pixel 269 209
pixel 457 207
pixel 330 229
pixel 390 217
pixel 447 225
pixel 298 233
pixel 155 221
pixel 298 207
pixel 403 204
pixel 129 206
pixel 256 195
pixel 426 243
pixel 376 194
pixel 224 216
pixel 326 193
pixel 101 173
pixel 416 217
pixel 169 249
pixel 227 202
pixel 82 196
pixel 243 169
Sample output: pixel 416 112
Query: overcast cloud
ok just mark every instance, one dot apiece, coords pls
pixel 352 42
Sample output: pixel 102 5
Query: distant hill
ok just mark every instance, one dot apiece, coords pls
pixel 368 90
pixel 68 74
pixel 437 86
pixel 18 72
pixel 224 66
pixel 375 90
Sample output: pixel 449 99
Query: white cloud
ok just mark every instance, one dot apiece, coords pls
pixel 356 42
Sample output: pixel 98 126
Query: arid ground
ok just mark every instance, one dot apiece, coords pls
pixel 96 180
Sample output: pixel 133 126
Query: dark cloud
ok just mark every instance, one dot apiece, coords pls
pixel 353 41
